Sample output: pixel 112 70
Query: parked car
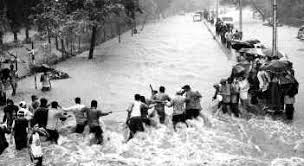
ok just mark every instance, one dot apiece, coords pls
pixel 269 23
pixel 182 13
pixel 197 17
pixel 301 33
pixel 227 20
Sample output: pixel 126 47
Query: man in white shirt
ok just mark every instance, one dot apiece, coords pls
pixel 54 116
pixel 46 82
pixel 23 107
pixel 134 119
pixel 79 114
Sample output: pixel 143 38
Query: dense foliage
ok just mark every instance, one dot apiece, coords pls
pixel 63 18
pixel 289 11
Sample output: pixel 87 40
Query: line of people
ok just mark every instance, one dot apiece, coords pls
pixel 27 122
pixel 227 33
pixel 24 122
pixel 186 105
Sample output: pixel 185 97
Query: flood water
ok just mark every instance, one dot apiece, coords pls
pixel 172 52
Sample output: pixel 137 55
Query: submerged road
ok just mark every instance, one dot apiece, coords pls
pixel 172 52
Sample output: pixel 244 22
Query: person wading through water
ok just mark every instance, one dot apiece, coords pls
pixel 41 114
pixel 20 128
pixel 160 99
pixel 13 79
pixel 35 149
pixel 79 114
pixel 34 105
pixel 10 113
pixel 145 111
pixel 45 82
pixel 178 104
pixel 53 118
pixel 93 115
pixel 3 142
pixel 134 118
pixel 193 102
pixel 225 92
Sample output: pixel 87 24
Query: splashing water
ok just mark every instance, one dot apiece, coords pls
pixel 229 142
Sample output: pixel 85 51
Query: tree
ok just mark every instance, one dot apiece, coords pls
pixel 27 9
pixel 14 14
pixel 96 13
pixel 289 12
pixel 162 5
pixel 4 23
pixel 49 17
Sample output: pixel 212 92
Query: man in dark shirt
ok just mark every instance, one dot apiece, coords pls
pixel 193 105
pixel 41 114
pixel 10 113
pixel 93 115
pixel 20 128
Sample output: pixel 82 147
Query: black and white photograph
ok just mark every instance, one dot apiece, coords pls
pixel 151 82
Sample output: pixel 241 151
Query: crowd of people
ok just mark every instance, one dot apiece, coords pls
pixel 25 123
pixel 186 105
pixel 274 92
pixel 259 79
pixel 227 33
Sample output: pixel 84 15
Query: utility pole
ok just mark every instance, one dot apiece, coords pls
pixel 275 29
pixel 33 59
pixel 241 18
pixel 217 10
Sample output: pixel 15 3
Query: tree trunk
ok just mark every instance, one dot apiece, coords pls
pixel 79 40
pixel 119 32
pixel 56 43
pixel 49 39
pixel 104 34
pixel 71 47
pixel 49 35
pixel 62 47
pixel 15 37
pixel 1 38
pixel 112 31
pixel 93 40
pixel 27 35
pixel 67 43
